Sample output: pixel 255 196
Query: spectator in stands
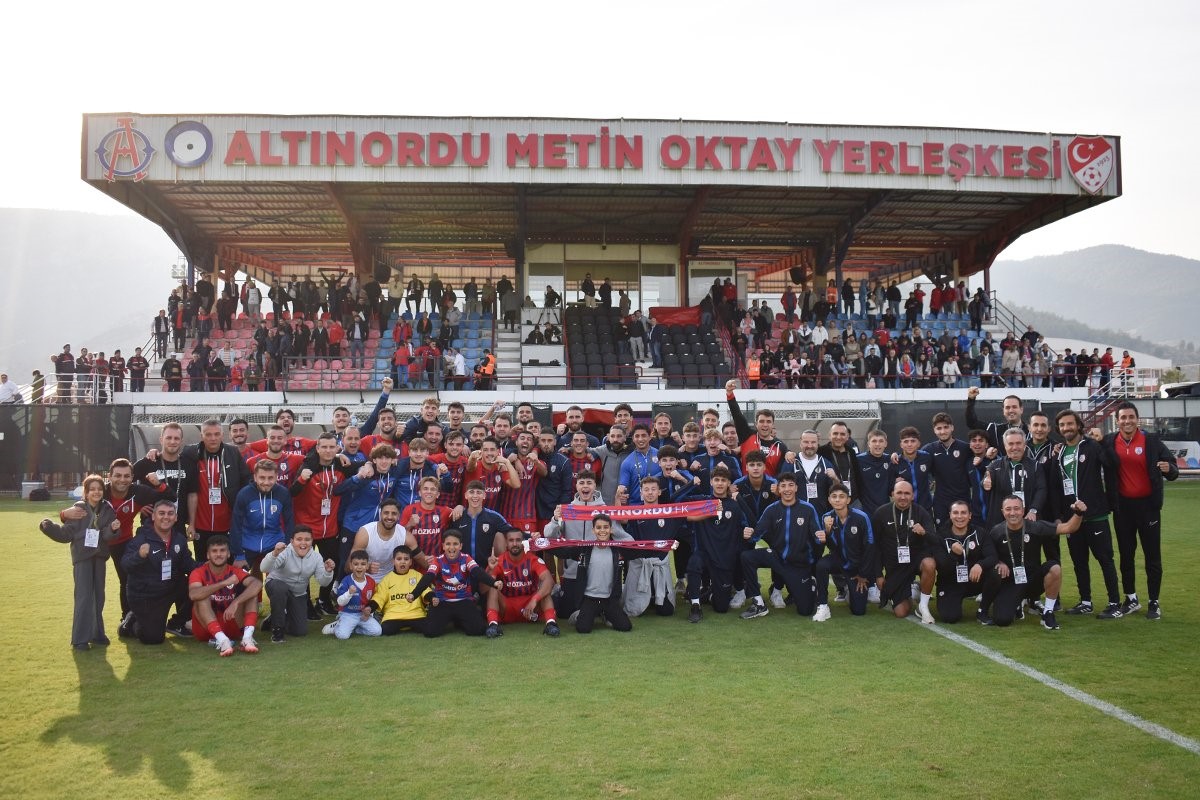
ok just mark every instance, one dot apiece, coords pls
pixel 218 373
pixel 621 336
pixel 336 334
pixel 435 290
pixel 656 334
pixel 848 296
pixel 10 393
pixel 510 307
pixel 623 303
pixel 637 337
pixel 951 372
pixel 402 358
pixel 471 297
pixel 253 300
pixel 301 336
pixel 605 293
pixel 416 290
pixel 269 373
pixel 894 297
pixel 160 326
pixel 485 371
pixel 451 321
pixel 489 297
pixel 357 335
pixel 788 298
pixel 553 334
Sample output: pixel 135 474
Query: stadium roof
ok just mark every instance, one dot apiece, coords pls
pixel 283 194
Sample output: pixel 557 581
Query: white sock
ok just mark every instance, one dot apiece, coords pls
pixel 248 632
pixel 1049 604
pixel 1131 597
pixel 696 603
pixel 222 639
pixel 925 601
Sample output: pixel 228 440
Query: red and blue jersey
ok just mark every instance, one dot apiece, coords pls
pixel 492 479
pixel 426 526
pixel 287 466
pixel 452 578
pixel 520 575
pixel 361 598
pixel 223 598
pixel 521 503
pixel 457 471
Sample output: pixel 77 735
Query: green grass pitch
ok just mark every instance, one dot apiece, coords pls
pixel 778 707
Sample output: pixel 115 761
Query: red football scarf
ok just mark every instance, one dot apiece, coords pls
pixel 695 508
pixel 542 543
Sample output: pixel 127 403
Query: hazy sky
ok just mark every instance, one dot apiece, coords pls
pixel 1119 68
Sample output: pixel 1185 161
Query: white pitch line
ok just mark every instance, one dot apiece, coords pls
pixel 1104 707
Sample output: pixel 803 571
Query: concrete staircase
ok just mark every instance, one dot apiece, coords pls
pixel 508 358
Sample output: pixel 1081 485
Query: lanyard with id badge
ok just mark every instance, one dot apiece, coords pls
pixel 212 468
pixel 1019 576
pixel 962 573
pixel 810 482
pixel 91 534
pixel 327 487
pixel 1070 470
pixel 903 552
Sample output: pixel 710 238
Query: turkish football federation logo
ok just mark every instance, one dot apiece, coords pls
pixel 125 152
pixel 1090 159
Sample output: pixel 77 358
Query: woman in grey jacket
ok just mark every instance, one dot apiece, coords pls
pixel 98 526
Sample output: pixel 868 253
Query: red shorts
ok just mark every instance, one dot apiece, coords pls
pixel 510 609
pixel 231 627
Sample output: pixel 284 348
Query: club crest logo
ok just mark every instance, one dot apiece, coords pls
pixel 125 152
pixel 1090 159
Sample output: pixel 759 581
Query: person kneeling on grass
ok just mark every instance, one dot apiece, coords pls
pixel 598 585
pixel 964 557
pixel 450 575
pixel 288 568
pixel 850 542
pixel 718 547
pixel 219 611
pixel 354 596
pixel 523 589
pixel 902 533
pixel 397 612
pixel 97 524
pixel 158 562
pixel 1018 575
pixel 789 526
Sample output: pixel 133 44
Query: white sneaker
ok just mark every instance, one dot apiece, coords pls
pixel 916 592
pixel 823 613
pixel 739 599
pixel 777 599
pixel 873 594
pixel 926 617
pixel 225 648
pixel 328 629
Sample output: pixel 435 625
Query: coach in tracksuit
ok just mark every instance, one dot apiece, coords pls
pixel 158 562
pixel 1143 462
pixel 1082 469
